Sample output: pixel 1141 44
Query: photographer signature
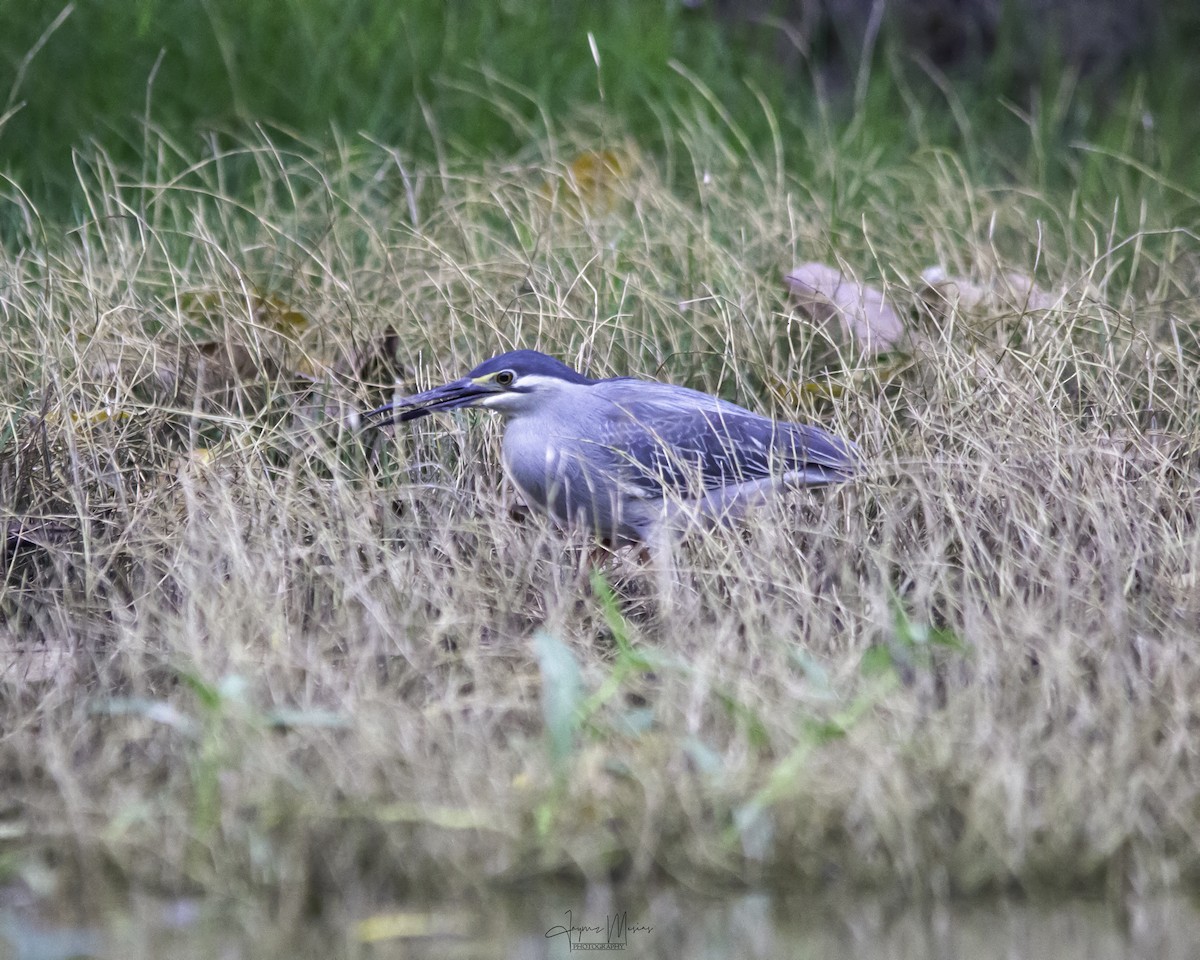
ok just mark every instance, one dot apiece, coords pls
pixel 615 930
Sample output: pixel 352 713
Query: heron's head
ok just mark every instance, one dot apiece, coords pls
pixel 513 382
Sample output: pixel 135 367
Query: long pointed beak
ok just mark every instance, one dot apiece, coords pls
pixel 460 393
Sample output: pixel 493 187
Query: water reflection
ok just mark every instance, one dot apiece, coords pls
pixel 757 926
pixel 663 923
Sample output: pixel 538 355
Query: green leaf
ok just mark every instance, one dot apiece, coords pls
pixel 706 759
pixel 159 711
pixel 634 722
pixel 823 731
pixel 208 695
pixel 755 826
pixel 814 671
pixel 612 614
pixel 756 730
pixel 877 661
pixel 233 688
pixel 562 693
pixel 286 717
pixel 946 637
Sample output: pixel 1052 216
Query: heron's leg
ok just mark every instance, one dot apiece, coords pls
pixel 599 556
pixel 659 552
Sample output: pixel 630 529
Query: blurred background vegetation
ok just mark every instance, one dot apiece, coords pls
pixel 1009 84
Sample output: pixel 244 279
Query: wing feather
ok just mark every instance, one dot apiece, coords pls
pixel 670 439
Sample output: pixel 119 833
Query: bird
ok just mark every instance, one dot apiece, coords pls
pixel 627 458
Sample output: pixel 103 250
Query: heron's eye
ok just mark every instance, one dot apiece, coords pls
pixel 505 378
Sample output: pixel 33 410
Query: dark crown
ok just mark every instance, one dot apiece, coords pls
pixel 526 363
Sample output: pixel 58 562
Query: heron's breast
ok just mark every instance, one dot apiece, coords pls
pixel 533 461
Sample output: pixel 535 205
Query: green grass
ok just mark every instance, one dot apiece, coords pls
pixel 426 77
pixel 439 81
pixel 249 648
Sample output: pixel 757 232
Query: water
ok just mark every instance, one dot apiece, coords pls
pixel 666 923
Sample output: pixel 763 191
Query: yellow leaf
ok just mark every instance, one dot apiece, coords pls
pixel 411 924
pixel 272 311
pixel 90 418
pixel 98 416
pixel 796 394
pixel 592 180
pixel 392 926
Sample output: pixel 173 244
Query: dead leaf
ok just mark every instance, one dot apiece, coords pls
pixel 213 309
pixel 235 354
pixel 1007 292
pixel 39 532
pixel 824 293
pixel 373 360
pixel 593 181
pixel 274 312
pixel 226 363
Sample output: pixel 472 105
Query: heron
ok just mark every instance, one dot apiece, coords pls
pixel 626 458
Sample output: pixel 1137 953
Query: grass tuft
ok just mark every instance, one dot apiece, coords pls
pixel 248 646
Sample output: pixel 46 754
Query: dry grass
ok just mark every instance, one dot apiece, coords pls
pixel 247 646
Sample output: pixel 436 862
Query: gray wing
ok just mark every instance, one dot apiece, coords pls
pixel 667 438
